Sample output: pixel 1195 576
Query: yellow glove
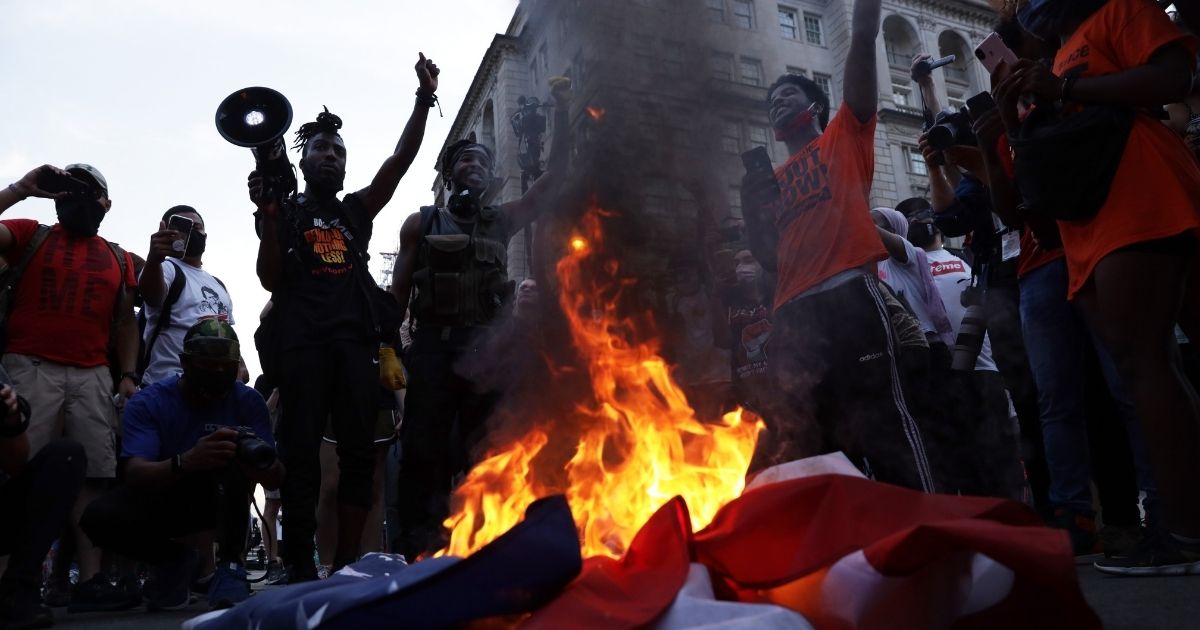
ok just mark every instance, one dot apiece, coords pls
pixel 391 372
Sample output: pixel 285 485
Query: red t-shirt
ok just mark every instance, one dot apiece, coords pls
pixel 63 308
pixel 824 221
pixel 1156 191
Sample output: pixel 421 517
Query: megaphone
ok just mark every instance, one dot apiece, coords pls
pixel 258 118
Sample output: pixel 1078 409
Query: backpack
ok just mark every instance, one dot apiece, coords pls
pixel 11 276
pixel 146 346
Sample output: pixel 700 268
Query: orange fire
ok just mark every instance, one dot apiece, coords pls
pixel 639 443
pixel 596 112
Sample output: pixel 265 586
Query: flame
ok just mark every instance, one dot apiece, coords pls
pixel 596 112
pixel 638 445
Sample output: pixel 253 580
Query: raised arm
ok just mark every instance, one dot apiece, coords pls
pixel 383 186
pixel 270 255
pixel 523 211
pixel 894 245
pixel 1166 78
pixel 860 84
pixel 406 261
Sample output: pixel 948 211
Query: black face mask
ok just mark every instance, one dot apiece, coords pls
pixel 196 243
pixel 921 234
pixel 80 217
pixel 730 234
pixel 210 384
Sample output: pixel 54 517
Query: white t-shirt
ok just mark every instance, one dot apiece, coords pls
pixel 905 280
pixel 202 297
pixel 951 276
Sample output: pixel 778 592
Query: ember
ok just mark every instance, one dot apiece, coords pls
pixel 638 441
pixel 595 112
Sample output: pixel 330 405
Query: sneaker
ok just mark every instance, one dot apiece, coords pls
pixel 300 573
pixel 323 571
pixel 200 585
pixel 1118 541
pixel 1081 528
pixel 275 574
pixel 169 588
pixel 228 586
pixel 99 595
pixel 20 609
pixel 1156 554
pixel 56 595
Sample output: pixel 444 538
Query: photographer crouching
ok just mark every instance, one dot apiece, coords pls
pixel 194 446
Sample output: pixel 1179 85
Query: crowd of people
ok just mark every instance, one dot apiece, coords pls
pixel 1047 355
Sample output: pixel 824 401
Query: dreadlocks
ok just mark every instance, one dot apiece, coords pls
pixel 325 123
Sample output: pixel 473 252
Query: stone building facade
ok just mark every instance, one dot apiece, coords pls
pixel 691 75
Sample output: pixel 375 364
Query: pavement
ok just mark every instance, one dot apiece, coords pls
pixel 1141 603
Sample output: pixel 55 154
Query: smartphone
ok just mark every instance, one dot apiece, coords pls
pixel 980 104
pixel 54 183
pixel 992 51
pixel 183 225
pixel 758 162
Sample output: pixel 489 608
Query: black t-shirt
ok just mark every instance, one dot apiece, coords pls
pixel 325 299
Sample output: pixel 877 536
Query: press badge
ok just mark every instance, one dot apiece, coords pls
pixel 1011 245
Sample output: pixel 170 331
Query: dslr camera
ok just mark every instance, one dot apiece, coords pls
pixel 951 129
pixel 253 451
pixel 972 330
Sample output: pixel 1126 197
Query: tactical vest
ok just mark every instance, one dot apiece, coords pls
pixel 461 279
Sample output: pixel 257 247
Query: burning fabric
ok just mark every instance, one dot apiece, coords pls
pixel 826 551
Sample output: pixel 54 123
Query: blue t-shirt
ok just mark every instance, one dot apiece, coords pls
pixel 159 424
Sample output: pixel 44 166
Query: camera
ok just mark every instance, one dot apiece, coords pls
pixel 951 129
pixel 253 451
pixel 971 332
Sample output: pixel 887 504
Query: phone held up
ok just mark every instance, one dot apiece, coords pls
pixel 992 52
pixel 758 162
pixel 183 226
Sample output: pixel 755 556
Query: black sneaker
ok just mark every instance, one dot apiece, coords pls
pixel 1157 554
pixel 170 588
pixel 275 574
pixel 21 609
pixel 99 595
pixel 57 595
pixel 301 573
pixel 1081 528
pixel 1119 541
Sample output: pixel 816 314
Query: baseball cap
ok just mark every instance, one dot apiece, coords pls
pixel 92 172
pixel 212 338
pixel 915 208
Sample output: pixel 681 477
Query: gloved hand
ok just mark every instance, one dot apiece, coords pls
pixel 391 372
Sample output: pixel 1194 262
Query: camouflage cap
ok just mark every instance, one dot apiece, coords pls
pixel 212 338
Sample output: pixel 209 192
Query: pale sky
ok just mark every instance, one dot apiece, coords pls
pixel 131 87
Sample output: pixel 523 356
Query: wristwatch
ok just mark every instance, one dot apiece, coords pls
pixel 133 376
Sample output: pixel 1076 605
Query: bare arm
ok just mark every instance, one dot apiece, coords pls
pixel 406 261
pixel 151 283
pixel 523 211
pixel 1166 78
pixel 860 85
pixel 383 186
pixel 894 245
pixel 941 190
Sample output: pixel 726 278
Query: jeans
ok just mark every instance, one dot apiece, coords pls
pixel 1057 338
pixel 142 524
pixel 35 504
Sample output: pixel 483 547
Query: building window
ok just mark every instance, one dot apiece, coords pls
pixel 716 10
pixel 789 23
pixel 751 71
pixel 672 61
pixel 577 62
pixel 813 33
pixel 735 200
pixel 760 137
pixel 722 66
pixel 533 74
pixel 825 82
pixel 544 59
pixel 902 96
pixel 915 161
pixel 743 14
pixel 797 70
pixel 956 98
pixel 731 136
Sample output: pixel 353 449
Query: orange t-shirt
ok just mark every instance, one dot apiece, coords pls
pixel 1156 191
pixel 824 219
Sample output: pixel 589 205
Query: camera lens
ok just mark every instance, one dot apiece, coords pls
pixel 979 54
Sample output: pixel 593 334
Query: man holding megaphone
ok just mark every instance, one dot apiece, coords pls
pixel 322 337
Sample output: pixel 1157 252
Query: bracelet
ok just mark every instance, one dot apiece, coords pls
pixel 133 376
pixel 429 100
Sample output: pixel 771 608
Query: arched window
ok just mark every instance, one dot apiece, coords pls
pixel 959 83
pixel 900 43
pixel 487 127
